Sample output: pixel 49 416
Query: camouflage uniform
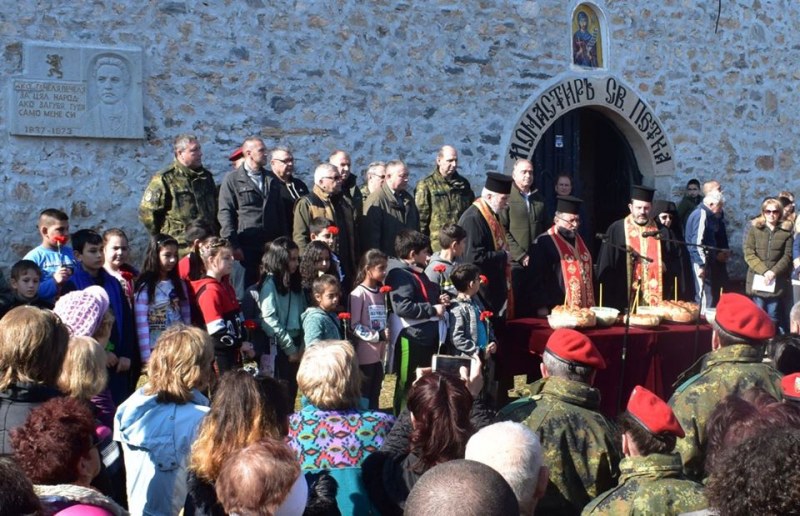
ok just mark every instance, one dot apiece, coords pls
pixel 728 370
pixel 650 485
pixel 176 196
pixel 579 443
pixel 441 201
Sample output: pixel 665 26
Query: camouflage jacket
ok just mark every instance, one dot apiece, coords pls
pixel 579 443
pixel 176 196
pixel 441 201
pixel 728 370
pixel 650 485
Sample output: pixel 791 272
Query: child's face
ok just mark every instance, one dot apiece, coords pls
pixel 168 258
pixel 51 229
pixel 421 258
pixel 26 285
pixel 116 252
pixel 323 263
pixel 325 236
pixel 222 264
pixel 458 248
pixel 294 260
pixel 377 272
pixel 91 258
pixel 474 287
pixel 329 299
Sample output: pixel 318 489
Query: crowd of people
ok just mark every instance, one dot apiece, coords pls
pixel 174 386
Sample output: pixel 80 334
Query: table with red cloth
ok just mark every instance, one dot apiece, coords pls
pixel 656 356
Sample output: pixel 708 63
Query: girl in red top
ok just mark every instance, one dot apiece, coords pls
pixel 217 302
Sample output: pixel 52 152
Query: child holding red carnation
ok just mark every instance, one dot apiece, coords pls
pixel 451 241
pixel 368 322
pixel 469 330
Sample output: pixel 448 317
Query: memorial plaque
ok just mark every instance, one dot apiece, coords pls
pixel 77 91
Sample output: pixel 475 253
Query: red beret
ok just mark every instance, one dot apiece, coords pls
pixel 575 348
pixel 790 386
pixel 237 154
pixel 652 413
pixel 740 316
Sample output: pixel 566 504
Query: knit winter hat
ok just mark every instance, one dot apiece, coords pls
pixel 83 310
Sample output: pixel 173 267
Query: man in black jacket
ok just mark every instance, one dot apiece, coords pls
pixel 250 211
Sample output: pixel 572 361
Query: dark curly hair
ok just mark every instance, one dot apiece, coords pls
pixel 308 264
pixel 441 405
pixel 760 476
pixel 739 417
pixel 56 435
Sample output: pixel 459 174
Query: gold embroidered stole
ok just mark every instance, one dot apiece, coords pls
pixel 648 273
pixel 500 244
pixel 576 270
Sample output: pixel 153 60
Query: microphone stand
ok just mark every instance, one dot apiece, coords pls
pixel 706 277
pixel 631 293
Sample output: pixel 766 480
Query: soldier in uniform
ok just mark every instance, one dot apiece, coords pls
pixel 179 194
pixel 578 441
pixel 443 196
pixel 651 476
pixel 740 331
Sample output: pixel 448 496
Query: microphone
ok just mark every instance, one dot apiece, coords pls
pixel 601 236
pixel 653 233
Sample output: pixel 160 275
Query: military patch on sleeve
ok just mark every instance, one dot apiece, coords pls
pixel 152 195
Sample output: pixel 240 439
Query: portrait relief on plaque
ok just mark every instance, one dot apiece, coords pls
pixel 77 91
pixel 587 42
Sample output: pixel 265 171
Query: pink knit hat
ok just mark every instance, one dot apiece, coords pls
pixel 83 310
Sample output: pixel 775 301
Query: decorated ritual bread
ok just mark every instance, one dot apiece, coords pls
pixel 563 316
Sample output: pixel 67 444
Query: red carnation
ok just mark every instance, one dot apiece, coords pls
pixel 486 314
pixel 344 316
pixel 385 289
pixel 484 279
pixel 250 324
pixel 126 275
pixel 333 230
pixel 440 268
pixel 60 239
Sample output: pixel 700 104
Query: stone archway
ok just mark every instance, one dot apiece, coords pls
pixel 607 94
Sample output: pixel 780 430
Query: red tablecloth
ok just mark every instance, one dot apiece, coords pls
pixel 656 356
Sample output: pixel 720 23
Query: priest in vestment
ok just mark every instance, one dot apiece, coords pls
pixel 637 232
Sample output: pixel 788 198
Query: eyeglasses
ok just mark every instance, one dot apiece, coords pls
pixel 284 161
pixel 665 216
pixel 333 178
pixel 574 222
pixel 772 211
pixel 376 175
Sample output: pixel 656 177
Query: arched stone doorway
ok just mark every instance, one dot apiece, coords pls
pixel 598 130
pixel 585 145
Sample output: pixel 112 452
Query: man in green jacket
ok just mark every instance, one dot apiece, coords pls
pixel 578 441
pixel 180 193
pixel 443 196
pixel 523 220
pixel 389 210
pixel 651 476
pixel 735 364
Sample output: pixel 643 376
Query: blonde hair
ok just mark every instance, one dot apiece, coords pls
pixel 84 373
pixel 33 343
pixel 774 203
pixel 180 362
pixel 329 375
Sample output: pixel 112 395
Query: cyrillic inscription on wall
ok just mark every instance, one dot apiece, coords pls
pixel 77 91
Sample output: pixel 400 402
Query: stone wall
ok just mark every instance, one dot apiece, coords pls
pixel 386 79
